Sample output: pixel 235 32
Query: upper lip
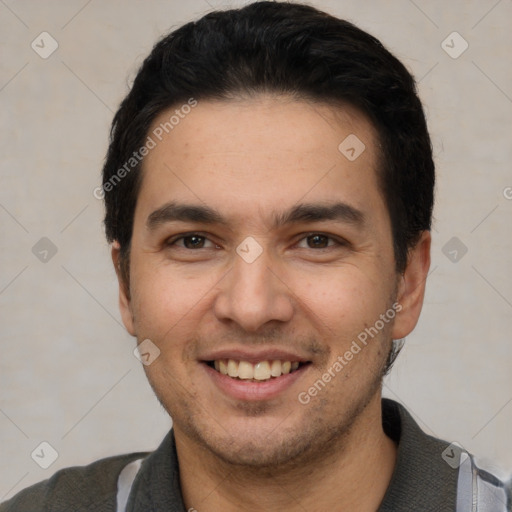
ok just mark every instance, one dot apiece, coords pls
pixel 253 356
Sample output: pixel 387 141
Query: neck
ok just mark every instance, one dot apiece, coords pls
pixel 354 475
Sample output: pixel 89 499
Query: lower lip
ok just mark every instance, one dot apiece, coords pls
pixel 249 390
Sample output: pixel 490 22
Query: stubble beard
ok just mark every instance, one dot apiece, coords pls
pixel 286 448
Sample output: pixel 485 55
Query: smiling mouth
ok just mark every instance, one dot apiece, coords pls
pixel 260 371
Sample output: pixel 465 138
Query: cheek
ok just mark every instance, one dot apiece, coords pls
pixel 345 299
pixel 163 301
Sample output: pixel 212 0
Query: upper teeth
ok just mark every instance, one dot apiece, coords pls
pixel 262 370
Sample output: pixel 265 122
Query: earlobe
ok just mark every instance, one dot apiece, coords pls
pixel 124 290
pixel 411 289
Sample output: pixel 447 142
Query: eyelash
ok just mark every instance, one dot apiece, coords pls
pixel 337 241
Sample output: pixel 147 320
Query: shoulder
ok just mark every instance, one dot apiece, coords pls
pixel 84 488
pixel 432 474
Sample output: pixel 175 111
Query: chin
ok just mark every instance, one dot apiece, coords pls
pixel 264 453
pixel 264 444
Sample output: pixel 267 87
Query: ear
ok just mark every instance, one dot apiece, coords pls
pixel 124 290
pixel 411 289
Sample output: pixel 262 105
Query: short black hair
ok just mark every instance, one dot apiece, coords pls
pixel 281 48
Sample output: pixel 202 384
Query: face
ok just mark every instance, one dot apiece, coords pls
pixel 263 251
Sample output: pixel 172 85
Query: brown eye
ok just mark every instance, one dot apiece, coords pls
pixel 194 242
pixel 317 241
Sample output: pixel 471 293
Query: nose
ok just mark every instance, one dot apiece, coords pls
pixel 254 294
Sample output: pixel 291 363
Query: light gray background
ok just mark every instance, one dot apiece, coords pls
pixel 68 375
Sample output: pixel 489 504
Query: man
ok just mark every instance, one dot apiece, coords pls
pixel 269 191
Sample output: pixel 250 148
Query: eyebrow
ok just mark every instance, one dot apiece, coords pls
pixel 305 212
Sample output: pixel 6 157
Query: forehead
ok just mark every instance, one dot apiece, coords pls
pixel 252 156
